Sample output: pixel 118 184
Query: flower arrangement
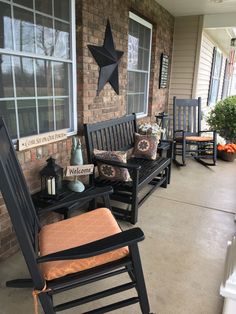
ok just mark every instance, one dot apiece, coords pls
pixel 150 129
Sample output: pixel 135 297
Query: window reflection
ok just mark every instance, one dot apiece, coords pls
pixel 24 77
pixel 62 114
pixel 44 77
pixel 46 117
pixel 61 8
pixel 26 3
pixel 6 81
pixel 7 111
pixel 62 40
pixel 44 6
pixel 24 30
pixel 27 117
pixel 5 26
pixel 44 36
pixel 61 78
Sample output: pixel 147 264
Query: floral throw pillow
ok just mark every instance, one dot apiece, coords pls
pixel 145 146
pixel 110 172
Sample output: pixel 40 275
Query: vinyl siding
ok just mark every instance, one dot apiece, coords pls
pixel 186 34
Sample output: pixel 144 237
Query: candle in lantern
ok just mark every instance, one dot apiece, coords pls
pixel 49 186
pixel 53 186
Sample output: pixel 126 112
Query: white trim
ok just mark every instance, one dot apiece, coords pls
pixel 148 25
pixel 74 69
pixel 139 20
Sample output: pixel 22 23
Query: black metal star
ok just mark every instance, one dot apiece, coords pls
pixel 108 59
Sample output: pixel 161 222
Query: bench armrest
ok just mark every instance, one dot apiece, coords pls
pixel 84 197
pixel 118 163
pixel 114 242
pixel 208 131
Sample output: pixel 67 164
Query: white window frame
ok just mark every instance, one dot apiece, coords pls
pixel 148 25
pixel 72 60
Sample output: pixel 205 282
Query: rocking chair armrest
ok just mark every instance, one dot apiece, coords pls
pixel 84 197
pixel 113 242
pixel 118 163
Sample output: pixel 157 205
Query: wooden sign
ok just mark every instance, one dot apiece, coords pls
pixel 164 71
pixel 41 139
pixel 81 170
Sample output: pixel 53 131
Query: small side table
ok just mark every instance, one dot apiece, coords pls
pixel 67 200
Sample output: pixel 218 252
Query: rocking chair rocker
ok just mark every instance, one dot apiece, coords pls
pixel 73 252
pixel 187 135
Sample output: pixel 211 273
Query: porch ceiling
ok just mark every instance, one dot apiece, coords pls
pixel 193 7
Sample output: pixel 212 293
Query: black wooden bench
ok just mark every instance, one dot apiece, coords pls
pixel 118 134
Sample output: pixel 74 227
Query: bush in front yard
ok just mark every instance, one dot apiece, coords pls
pixel 223 118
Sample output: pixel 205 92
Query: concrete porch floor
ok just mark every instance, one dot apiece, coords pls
pixel 187 227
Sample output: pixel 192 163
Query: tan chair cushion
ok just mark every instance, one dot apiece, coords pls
pixel 199 138
pixel 196 138
pixel 76 231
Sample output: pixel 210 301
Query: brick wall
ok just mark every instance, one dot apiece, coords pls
pixel 91 19
pixel 91 23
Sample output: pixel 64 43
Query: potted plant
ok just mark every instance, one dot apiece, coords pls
pixel 222 118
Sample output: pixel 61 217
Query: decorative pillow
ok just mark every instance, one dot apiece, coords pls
pixel 110 172
pixel 145 146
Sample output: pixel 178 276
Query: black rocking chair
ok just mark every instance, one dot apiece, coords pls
pixel 102 247
pixel 187 134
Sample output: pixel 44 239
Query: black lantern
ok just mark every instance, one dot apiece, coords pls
pixel 162 120
pixel 51 179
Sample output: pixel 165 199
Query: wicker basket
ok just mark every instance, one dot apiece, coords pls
pixel 225 155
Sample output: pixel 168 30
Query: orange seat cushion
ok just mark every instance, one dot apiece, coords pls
pixel 196 138
pixel 76 231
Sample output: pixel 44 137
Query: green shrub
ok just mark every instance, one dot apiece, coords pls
pixel 223 118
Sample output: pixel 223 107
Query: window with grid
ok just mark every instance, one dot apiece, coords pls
pixel 215 76
pixel 139 55
pixel 37 62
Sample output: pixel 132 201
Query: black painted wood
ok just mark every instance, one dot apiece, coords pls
pixel 187 123
pixel 27 226
pixel 118 134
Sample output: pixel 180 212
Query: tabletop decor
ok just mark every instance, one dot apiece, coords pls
pixel 51 179
pixel 150 129
pixel 108 59
pixel 76 159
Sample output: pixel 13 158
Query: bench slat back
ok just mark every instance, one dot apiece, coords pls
pixel 116 134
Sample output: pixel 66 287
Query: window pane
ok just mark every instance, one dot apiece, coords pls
pixel 26 3
pixel 133 43
pixel 24 30
pixel 44 77
pixel 62 40
pixel 44 6
pixel 7 110
pixel 6 82
pixel 5 26
pixel 46 117
pixel 27 117
pixel 60 79
pixel 138 66
pixel 24 77
pixel 62 114
pixel 44 36
pixel 62 9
